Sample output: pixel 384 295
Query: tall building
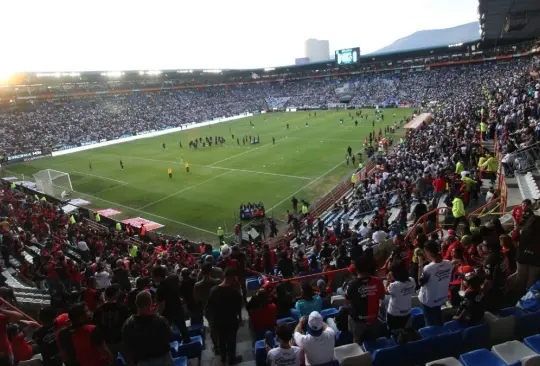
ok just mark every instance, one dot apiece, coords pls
pixel 316 50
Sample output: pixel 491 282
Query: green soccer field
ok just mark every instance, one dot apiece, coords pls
pixel 305 162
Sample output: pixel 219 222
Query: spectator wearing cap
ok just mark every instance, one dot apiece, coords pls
pixel 318 342
pixel 109 318
pixel 285 354
pixel 471 308
pixel 146 336
pixel 434 279
pixel 224 311
pixel 308 302
pixel 363 296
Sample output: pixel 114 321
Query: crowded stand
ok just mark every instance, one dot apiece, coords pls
pixel 363 283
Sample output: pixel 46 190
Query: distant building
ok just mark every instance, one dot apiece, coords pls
pixel 316 50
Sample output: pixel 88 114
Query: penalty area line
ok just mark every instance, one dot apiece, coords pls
pixel 98 176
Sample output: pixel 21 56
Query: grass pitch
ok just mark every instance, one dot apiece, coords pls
pixel 305 162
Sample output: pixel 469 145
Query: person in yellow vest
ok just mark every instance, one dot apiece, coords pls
pixel 459 167
pixel 353 180
pixel 491 165
pixel 483 130
pixel 13 186
pixel 133 251
pixel 169 171
pixel 221 235
pixel 458 211
pixel 97 217
pixel 118 226
pixel 481 161
pixel 360 166
pixel 72 219
pixel 186 164
pixel 44 198
pixel 304 209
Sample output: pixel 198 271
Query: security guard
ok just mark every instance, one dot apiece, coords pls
pixel 221 235
pixel 186 164
pixel 169 171
pixel 97 217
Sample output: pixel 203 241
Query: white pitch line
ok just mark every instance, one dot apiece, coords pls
pixel 254 172
pixel 304 187
pixel 97 176
pixel 242 153
pixel 111 188
pixel 220 168
pixel 185 189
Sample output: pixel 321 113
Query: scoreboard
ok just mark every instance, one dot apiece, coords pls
pixel 349 56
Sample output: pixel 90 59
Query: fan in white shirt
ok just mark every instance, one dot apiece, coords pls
pixel 103 279
pixel 379 236
pixel 285 354
pixel 318 344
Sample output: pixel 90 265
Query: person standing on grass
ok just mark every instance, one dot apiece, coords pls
pixel 121 164
pixel 434 280
pixel 169 171
pixel 186 165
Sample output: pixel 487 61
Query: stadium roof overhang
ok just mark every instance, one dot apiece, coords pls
pixel 509 20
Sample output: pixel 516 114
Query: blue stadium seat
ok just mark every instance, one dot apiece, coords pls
pixel 295 314
pixel 481 357
pixel 192 349
pixel 476 337
pixel 447 345
pixel 291 322
pixel 180 361
pixel 420 352
pixel 379 343
pixel 527 324
pixel 253 283
pixel 533 342
pixel 197 330
pixel 389 356
pixel 509 311
pixel 260 352
pixel 454 326
pixel 329 313
pixel 417 318
pixel 432 331
pixel 120 360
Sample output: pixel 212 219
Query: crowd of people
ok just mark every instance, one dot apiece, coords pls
pixel 112 293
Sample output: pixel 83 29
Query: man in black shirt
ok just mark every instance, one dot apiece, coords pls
pixel 495 266
pixel 45 337
pixel 169 301
pixel 146 336
pixel 140 284
pixel 471 308
pixel 109 318
pixel 285 265
pixel 224 309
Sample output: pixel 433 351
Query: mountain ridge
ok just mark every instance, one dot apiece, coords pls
pixel 434 37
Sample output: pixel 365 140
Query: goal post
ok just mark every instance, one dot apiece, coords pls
pixel 53 183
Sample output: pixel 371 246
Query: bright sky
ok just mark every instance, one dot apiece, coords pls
pixel 77 35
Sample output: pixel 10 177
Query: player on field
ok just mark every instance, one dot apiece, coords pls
pixel 90 165
pixel 164 146
pixel 273 141
pixel 169 171
pixel 122 164
pixel 186 164
pixel 180 144
pixel 287 126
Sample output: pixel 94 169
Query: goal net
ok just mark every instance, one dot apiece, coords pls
pixel 53 183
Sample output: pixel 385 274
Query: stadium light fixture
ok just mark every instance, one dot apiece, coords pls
pixel 112 74
pixel 269 69
pixel 212 71
pixel 153 72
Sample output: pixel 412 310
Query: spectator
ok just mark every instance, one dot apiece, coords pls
pixel 284 300
pixel 400 287
pixel 82 342
pixel 471 309
pixel 285 354
pixel 224 307
pixel 318 342
pixel 103 278
pixel 434 281
pixel 201 292
pixel 109 318
pixel 121 277
pixel 217 273
pixel 169 301
pixel 309 302
pixel 262 313
pixel 363 295
pixel 46 337
pixel 146 336
pixel 495 266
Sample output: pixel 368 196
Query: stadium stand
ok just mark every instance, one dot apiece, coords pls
pixel 338 286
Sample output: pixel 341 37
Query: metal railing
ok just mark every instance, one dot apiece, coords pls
pixel 525 158
pixel 439 212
